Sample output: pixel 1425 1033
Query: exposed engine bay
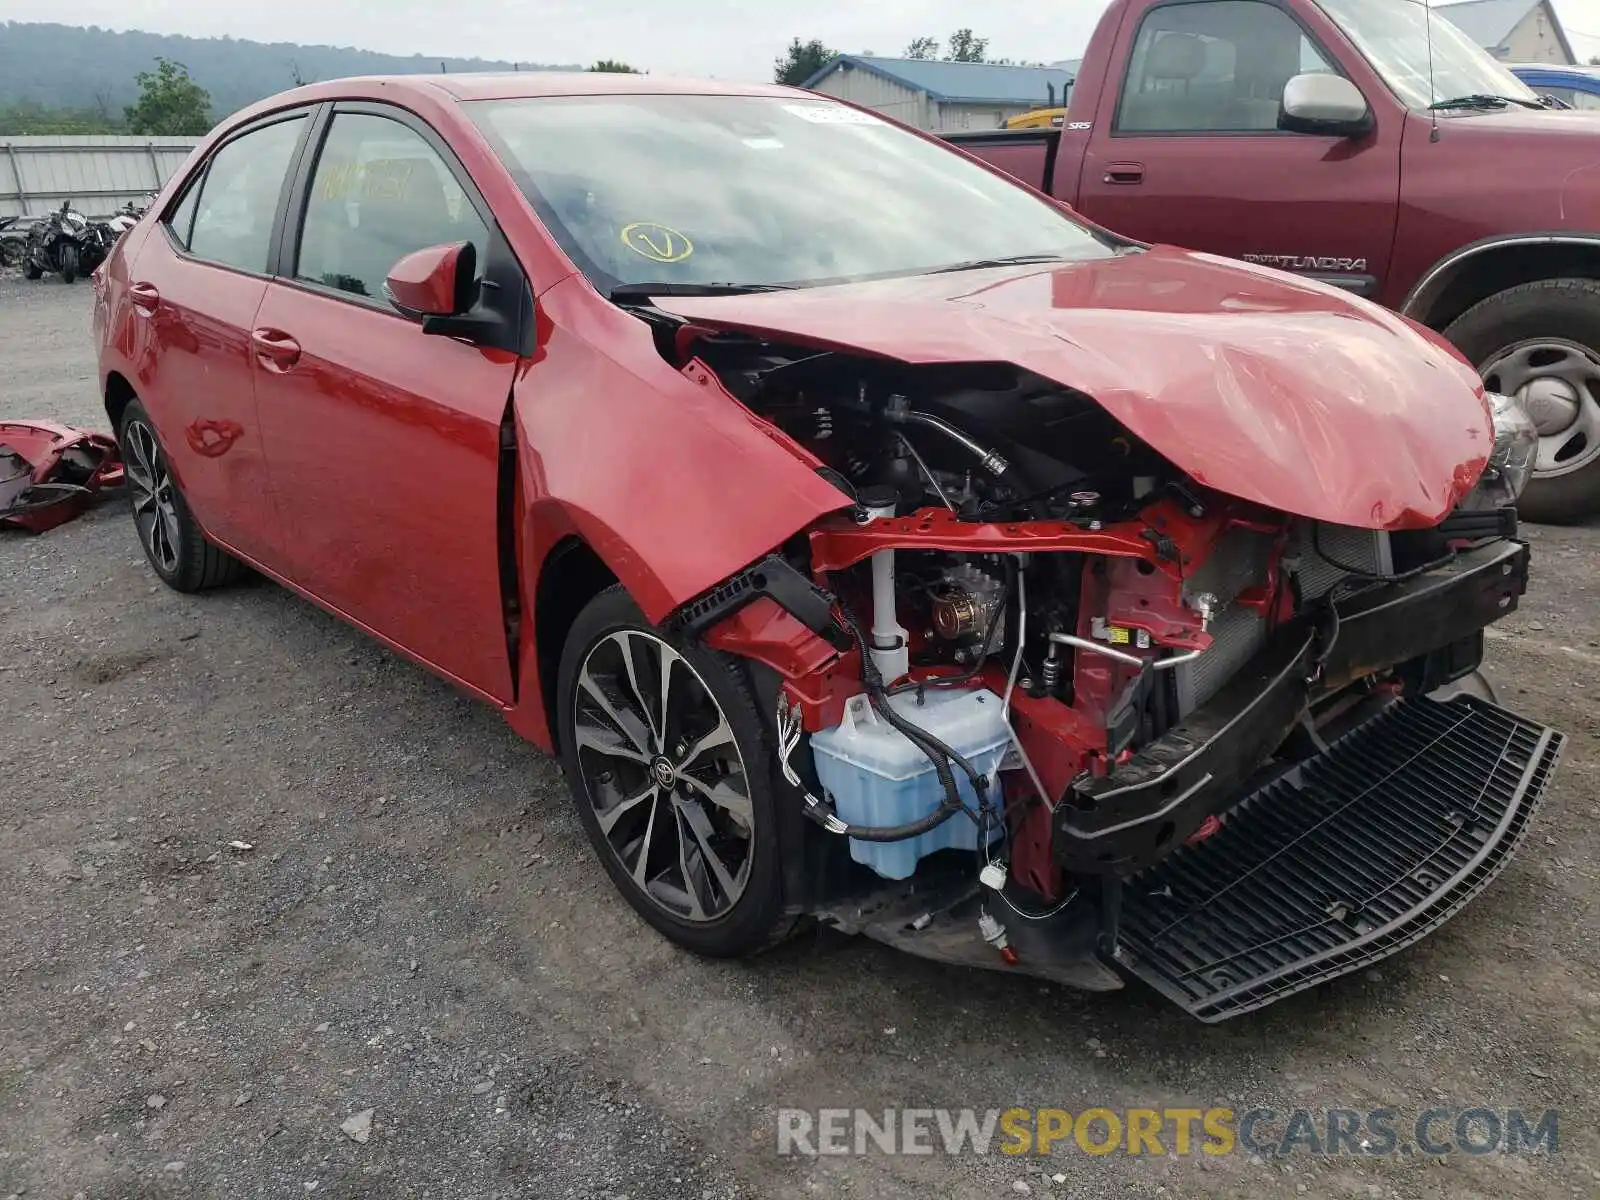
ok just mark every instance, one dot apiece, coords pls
pixel 987 441
pixel 1059 657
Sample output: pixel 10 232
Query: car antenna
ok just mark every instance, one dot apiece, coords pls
pixel 1433 89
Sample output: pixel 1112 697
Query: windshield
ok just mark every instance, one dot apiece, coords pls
pixel 750 190
pixel 1393 35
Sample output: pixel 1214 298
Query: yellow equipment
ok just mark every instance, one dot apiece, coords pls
pixel 1039 118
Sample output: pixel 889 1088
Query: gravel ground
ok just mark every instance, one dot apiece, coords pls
pixel 419 929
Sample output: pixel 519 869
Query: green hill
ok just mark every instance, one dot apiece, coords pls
pixel 73 67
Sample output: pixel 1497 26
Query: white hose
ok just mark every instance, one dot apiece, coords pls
pixel 1022 636
pixel 1011 683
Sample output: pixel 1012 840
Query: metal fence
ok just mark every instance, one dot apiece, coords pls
pixel 97 173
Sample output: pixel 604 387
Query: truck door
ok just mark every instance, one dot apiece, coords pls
pixel 1190 153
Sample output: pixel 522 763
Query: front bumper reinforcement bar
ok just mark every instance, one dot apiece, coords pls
pixel 1125 822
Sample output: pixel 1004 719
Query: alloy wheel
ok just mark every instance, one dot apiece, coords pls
pixel 663 771
pixel 151 493
pixel 1558 383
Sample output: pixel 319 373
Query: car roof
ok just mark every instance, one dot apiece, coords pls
pixel 512 85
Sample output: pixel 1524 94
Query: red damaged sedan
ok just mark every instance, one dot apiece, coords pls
pixel 876 542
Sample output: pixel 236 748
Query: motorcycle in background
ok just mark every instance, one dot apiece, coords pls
pixel 59 243
pixel 13 242
pixel 104 235
pixel 101 239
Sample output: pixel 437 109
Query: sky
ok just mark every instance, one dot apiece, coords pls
pixel 731 39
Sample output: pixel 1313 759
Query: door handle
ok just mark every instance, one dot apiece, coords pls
pixel 1125 172
pixel 144 297
pixel 275 348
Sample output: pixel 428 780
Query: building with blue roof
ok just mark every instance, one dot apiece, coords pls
pixel 942 96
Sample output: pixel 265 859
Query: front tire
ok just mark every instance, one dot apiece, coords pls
pixel 170 536
pixel 1540 342
pixel 69 264
pixel 671 769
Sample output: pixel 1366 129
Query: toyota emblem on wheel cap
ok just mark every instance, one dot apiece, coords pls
pixel 662 769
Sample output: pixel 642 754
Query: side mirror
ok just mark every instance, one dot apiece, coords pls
pixel 434 282
pixel 1325 104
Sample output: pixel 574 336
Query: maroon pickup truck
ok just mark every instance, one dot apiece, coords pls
pixel 1315 137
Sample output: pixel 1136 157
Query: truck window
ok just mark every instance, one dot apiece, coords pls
pixel 1571 96
pixel 1217 67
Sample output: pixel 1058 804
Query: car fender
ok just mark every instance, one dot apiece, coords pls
pixel 670 480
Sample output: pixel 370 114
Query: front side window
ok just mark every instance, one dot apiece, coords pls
pixel 1214 68
pixel 1394 37
pixel 238 199
pixel 760 190
pixel 379 193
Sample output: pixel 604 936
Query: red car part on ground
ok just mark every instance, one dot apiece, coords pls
pixel 50 473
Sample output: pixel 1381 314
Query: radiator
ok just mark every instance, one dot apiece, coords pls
pixel 1240 561
pixel 1366 549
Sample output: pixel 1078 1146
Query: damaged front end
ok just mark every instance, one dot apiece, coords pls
pixel 1054 706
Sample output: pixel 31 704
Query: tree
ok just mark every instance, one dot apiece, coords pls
pixel 25 117
pixel 966 48
pixel 611 66
pixel 170 103
pixel 923 47
pixel 802 61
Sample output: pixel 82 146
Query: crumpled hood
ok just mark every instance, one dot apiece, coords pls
pixel 1288 393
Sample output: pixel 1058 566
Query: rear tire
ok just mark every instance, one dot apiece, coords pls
pixel 172 540
pixel 1540 342
pixel 69 264
pixel 687 803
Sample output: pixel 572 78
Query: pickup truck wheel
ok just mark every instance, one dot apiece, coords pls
pixel 170 536
pixel 1540 342
pixel 671 769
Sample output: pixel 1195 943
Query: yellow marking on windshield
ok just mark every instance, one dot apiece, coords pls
pixel 658 243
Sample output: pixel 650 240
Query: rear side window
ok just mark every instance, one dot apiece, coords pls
pixel 379 193
pixel 238 198
pixel 1217 67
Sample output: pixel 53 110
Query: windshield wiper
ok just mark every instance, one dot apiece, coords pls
pixel 643 291
pixel 1015 260
pixel 1482 100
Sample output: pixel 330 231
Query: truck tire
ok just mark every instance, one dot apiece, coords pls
pixel 1540 342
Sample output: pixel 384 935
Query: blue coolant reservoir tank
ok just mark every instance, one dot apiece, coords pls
pixel 874 775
